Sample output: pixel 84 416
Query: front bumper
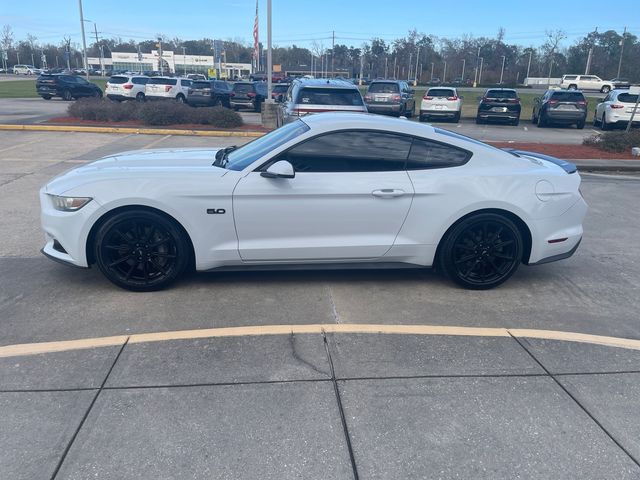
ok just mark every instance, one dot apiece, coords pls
pixel 66 233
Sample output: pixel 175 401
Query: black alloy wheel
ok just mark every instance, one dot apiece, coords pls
pixel 482 251
pixel 141 250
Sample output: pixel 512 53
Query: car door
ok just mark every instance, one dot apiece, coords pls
pixel 82 88
pixel 348 200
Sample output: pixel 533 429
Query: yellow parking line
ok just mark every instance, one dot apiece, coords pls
pixel 156 141
pixel 141 131
pixel 12 147
pixel 259 330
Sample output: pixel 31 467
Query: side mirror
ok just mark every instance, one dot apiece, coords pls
pixel 280 169
pixel 461 97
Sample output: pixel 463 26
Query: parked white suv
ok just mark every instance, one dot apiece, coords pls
pixel 126 87
pixel 586 82
pixel 167 88
pixel 616 109
pixel 441 102
pixel 26 70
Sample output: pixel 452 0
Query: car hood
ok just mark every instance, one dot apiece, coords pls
pixel 152 162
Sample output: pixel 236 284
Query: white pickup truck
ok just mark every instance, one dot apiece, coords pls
pixel 586 82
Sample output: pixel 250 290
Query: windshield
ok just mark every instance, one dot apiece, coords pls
pixel 246 155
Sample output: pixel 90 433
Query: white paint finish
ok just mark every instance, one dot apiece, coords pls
pixel 320 217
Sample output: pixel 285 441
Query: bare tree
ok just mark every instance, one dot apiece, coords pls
pixel 6 38
pixel 550 48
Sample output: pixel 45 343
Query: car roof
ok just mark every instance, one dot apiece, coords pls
pixel 501 89
pixel 384 80
pixel 325 82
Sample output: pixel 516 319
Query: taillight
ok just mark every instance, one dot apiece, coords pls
pixel 452 99
pixel 251 94
pixel 616 106
pixel 582 103
pixel 395 96
pixel 367 98
pixel 553 102
pixel 514 100
pixel 232 94
pixel 427 97
pixel 127 86
pixel 167 88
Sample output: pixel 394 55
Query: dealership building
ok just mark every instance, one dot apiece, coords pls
pixel 172 63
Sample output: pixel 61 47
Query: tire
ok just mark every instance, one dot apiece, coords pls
pixel 46 97
pixel 422 118
pixel 180 98
pixel 605 89
pixel 542 120
pixel 258 106
pixel 456 118
pixel 580 125
pixel 141 251
pixel 479 121
pixel 97 94
pixel 236 108
pixel 140 97
pixel 534 119
pixel 572 87
pixel 596 123
pixel 604 125
pixel 516 122
pixel 409 111
pixel 66 95
pixel 481 252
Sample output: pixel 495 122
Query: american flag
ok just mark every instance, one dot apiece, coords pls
pixel 256 50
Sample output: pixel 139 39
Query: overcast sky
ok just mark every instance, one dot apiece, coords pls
pixel 302 21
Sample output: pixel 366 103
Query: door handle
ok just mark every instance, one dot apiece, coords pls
pixel 388 193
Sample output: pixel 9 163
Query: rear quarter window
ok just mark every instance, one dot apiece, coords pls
pixel 425 155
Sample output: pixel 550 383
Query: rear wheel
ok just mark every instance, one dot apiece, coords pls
pixel 180 98
pixel 456 117
pixel 66 95
pixel 140 97
pixel 422 118
pixel 479 121
pixel 516 122
pixel 580 125
pixel 572 87
pixel 605 89
pixel 46 97
pixel 604 125
pixel 141 250
pixel 481 251
pixel 596 122
pixel 542 120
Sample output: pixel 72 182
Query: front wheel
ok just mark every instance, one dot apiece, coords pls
pixel 66 95
pixel 141 250
pixel 481 251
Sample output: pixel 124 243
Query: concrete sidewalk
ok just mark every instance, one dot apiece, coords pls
pixel 332 406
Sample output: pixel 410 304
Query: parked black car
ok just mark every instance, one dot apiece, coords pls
pixel 248 95
pixel 393 97
pixel 501 104
pixel 66 86
pixel 209 93
pixel 560 106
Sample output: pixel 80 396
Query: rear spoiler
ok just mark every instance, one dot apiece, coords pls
pixel 566 166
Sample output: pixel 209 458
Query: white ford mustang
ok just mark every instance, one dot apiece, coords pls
pixel 328 190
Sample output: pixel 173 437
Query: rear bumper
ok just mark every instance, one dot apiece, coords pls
pixel 242 103
pixel 119 96
pixel 384 108
pixel 487 115
pixel 200 100
pixel 440 113
pixel 567 226
pixel 560 116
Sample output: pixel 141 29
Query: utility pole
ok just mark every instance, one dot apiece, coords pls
pixel 415 77
pixel 410 63
pixel 160 56
pixel 624 34
pixel 589 57
pixel 361 68
pixel 444 73
pixel 480 73
pixel 475 75
pixel 395 58
pixel 84 42
pixel 432 64
pixel 529 65
pixel 502 71
pixel 95 30
pixel 464 61
pixel 333 46
pixel 386 69
pixel 184 61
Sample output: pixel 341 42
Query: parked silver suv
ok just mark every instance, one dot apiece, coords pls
pixel 307 96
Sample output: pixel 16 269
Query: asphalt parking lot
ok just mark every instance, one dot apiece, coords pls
pixel 487 400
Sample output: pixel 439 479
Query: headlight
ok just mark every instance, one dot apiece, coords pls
pixel 69 204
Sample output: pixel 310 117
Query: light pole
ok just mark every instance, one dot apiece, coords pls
pixel 624 34
pixel 464 61
pixel 432 64
pixel 480 72
pixel 269 58
pixel 415 81
pixel 502 70
pixel 529 65
pixel 84 41
pixel 184 61
pixel 444 73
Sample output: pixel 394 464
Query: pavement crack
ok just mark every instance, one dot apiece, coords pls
pixel 86 414
pixel 334 310
pixel 296 355
pixel 576 401
pixel 343 419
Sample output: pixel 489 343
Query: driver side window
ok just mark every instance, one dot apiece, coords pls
pixel 350 151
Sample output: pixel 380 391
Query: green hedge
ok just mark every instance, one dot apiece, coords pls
pixel 153 113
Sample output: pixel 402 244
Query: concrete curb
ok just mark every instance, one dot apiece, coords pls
pixel 142 131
